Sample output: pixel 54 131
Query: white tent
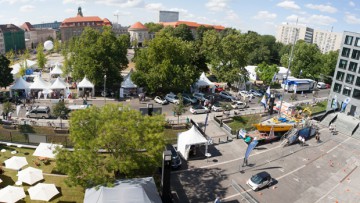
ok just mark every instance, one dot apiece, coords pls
pixel 188 138
pixel 39 84
pixel 59 84
pixel 127 86
pixel 85 83
pixel 46 150
pixel 20 84
pixel 16 67
pixel 204 81
pixel 56 70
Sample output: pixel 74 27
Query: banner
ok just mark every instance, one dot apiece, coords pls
pixel 206 120
pixel 18 107
pixel 334 104
pixel 251 146
pixel 263 101
pixel 242 133
pixel 344 104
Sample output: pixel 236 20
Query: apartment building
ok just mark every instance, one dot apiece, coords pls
pixel 327 41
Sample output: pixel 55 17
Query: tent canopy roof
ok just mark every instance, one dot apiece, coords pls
pixel 16 67
pixel 56 71
pixel 46 150
pixel 204 81
pixel 58 84
pixel 128 83
pixel 39 83
pixel 20 84
pixel 188 138
pixel 85 83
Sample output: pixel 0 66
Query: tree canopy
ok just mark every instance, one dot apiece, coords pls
pixel 266 72
pixel 133 144
pixel 5 72
pixel 153 27
pixel 167 64
pixel 40 56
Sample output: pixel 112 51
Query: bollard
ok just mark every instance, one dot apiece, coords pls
pixel 219 140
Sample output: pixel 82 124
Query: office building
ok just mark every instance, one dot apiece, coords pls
pixel 120 30
pixel 11 38
pixel 346 80
pixel 54 25
pixel 138 34
pixel 168 16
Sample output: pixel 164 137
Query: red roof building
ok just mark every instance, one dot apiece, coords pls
pixel 138 34
pixel 74 26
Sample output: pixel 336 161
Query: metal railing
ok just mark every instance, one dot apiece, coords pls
pixel 245 196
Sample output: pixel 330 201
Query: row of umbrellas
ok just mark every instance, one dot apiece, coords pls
pixel 41 191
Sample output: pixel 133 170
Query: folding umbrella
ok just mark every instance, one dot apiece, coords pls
pixel 30 175
pixel 46 150
pixel 42 191
pixel 11 194
pixel 15 162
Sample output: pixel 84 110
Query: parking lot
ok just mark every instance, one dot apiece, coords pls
pixel 318 172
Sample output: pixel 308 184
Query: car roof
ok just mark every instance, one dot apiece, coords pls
pixel 263 174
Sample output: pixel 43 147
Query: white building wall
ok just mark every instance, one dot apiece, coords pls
pixel 327 41
pixel 286 33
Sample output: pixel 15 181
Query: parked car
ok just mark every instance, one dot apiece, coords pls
pixel 238 105
pixel 321 85
pixel 198 109
pixel 259 180
pixel 256 93
pixel 328 86
pixel 226 95
pixel 218 88
pixel 39 112
pixel 190 98
pixel 175 158
pixel 199 96
pixel 217 107
pixel 172 98
pixel 160 100
pixel 246 94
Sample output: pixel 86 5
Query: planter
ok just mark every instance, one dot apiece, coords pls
pixel 61 131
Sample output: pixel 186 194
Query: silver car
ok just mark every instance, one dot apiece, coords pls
pixel 226 95
pixel 172 98
pixel 259 180
pixel 190 98
pixel 160 100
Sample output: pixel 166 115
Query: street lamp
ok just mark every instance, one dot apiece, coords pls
pixel 61 115
pixel 105 88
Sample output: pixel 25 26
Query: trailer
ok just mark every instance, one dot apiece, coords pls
pixel 299 85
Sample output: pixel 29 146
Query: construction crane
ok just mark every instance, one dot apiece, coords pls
pixel 117 18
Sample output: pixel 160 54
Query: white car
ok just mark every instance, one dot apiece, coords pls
pixel 321 85
pixel 238 105
pixel 226 95
pixel 259 180
pixel 172 98
pixel 199 96
pixel 246 94
pixel 160 100
pixel 217 107
pixel 198 109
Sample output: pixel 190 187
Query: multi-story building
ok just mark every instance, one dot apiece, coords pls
pixel 327 41
pixel 168 16
pixel 345 89
pixel 75 26
pixel 138 34
pixel 34 36
pixel 11 38
pixel 54 25
pixel 120 30
pixel 286 33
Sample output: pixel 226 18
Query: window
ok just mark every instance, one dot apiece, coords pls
pixel 357 82
pixel 357 42
pixel 345 52
pixel 352 66
pixel 348 40
pixel 347 91
pixel 349 78
pixel 342 63
pixel 356 94
pixel 337 87
pixel 340 76
pixel 355 54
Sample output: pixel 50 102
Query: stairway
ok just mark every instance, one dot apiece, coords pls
pixel 326 121
pixel 346 124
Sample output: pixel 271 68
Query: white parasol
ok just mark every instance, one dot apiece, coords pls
pixel 11 194
pixel 30 175
pixel 43 191
pixel 15 162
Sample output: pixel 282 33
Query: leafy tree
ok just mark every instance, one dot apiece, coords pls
pixel 183 32
pixel 180 108
pixel 200 32
pixel 166 65
pixel 22 71
pixel 60 110
pixel 26 55
pixel 5 72
pixel 153 27
pixel 328 65
pixel 57 46
pixel 11 56
pixel 96 54
pixel 133 144
pixel 40 56
pixel 7 107
pixel 266 72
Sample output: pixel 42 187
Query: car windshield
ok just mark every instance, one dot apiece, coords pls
pixel 256 179
pixel 217 104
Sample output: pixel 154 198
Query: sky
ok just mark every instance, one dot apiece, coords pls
pixel 262 16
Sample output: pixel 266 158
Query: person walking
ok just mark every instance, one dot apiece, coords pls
pixel 317 137
pixel 217 200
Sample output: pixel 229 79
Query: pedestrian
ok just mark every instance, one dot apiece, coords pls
pixel 317 137
pixel 9 115
pixel 217 200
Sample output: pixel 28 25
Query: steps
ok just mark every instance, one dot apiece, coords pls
pixel 346 124
pixel 326 121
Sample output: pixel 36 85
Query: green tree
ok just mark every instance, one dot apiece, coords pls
pixel 167 64
pixel 133 145
pixel 60 110
pixel 266 72
pixel 153 27
pixel 96 54
pixel 57 46
pixel 26 55
pixel 328 65
pixel 5 72
pixel 183 32
pixel 22 71
pixel 40 56
pixel 200 32
pixel 180 108
pixel 7 107
pixel 11 56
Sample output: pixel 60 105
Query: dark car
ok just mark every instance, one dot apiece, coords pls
pixel 175 158
pixel 259 180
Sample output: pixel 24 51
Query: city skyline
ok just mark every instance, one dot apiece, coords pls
pixel 262 16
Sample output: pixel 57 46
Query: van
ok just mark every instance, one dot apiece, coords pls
pixel 321 85
pixel 176 161
pixel 39 112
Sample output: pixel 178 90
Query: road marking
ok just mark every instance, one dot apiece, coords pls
pixel 338 145
pixel 281 169
pixel 328 192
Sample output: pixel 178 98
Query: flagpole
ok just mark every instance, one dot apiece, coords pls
pixel 289 64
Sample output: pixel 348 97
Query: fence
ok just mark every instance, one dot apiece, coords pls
pixel 40 122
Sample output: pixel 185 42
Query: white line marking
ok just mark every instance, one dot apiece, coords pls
pixel 338 145
pixel 327 193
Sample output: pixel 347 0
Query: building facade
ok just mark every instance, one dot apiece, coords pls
pixel 168 16
pixel 34 36
pixel 120 30
pixel 138 34
pixel 54 25
pixel 345 89
pixel 286 34
pixel 74 26
pixel 327 41
pixel 11 38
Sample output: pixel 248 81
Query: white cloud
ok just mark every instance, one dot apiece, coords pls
pixel 70 10
pixel 321 20
pixel 265 15
pixel 13 1
pixel 294 18
pixel 322 8
pixel 122 13
pixel 122 3
pixel 351 19
pixel 351 3
pixel 288 5
pixel 78 2
pixel 183 13
pixel 155 6
pixel 231 15
pixel 27 8
pixel 216 5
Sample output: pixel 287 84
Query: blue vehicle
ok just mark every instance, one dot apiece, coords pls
pixel 298 85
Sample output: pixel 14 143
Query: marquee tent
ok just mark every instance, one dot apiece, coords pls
pixel 46 150
pixel 59 85
pixel 204 81
pixel 56 70
pixel 39 84
pixel 85 84
pixel 128 87
pixel 188 138
pixel 28 64
pixel 20 84
pixel 125 191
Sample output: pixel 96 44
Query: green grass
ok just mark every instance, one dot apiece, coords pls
pixel 244 122
pixel 67 194
pixel 171 135
pixel 319 107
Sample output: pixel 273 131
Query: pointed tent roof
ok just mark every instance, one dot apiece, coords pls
pixel 56 71
pixel 128 83
pixel 39 83
pixel 204 81
pixel 138 26
pixel 20 84
pixel 188 138
pixel 85 83
pixel 16 67
pixel 58 84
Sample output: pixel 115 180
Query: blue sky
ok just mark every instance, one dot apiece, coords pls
pixel 262 16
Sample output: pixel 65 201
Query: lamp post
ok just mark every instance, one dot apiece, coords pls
pixel 105 88
pixel 165 177
pixel 61 115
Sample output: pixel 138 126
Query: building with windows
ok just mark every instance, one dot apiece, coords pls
pixel 11 38
pixel 168 16
pixel 34 36
pixel 120 30
pixel 75 26
pixel 54 25
pixel 138 34
pixel 327 41
pixel 345 89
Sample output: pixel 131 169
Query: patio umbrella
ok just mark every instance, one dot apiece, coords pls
pixel 15 162
pixel 30 175
pixel 11 194
pixel 46 150
pixel 43 191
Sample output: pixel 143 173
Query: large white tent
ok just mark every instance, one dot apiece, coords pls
pixel 39 84
pixel 85 84
pixel 20 84
pixel 127 86
pixel 204 81
pixel 56 70
pixel 188 138
pixel 28 64
pixel 59 84
pixel 46 150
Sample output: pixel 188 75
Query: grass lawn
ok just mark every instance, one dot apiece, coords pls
pixel 319 107
pixel 67 194
pixel 244 122
pixel 171 135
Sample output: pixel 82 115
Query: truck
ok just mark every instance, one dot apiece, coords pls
pixel 299 85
